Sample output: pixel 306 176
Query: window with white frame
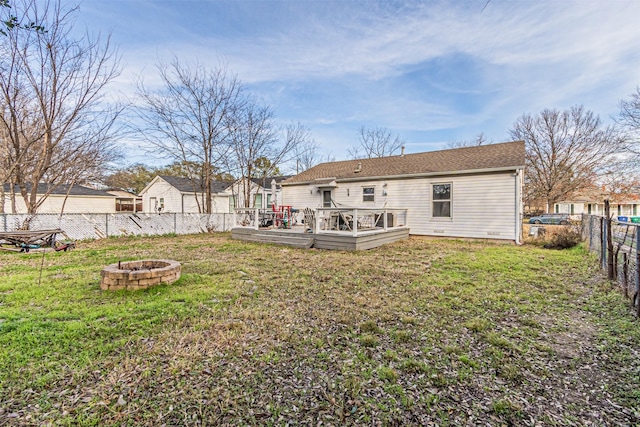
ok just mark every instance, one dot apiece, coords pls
pixel 441 200
pixel 368 194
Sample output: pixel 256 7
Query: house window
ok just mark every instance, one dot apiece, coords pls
pixel 589 208
pixel 257 201
pixel 619 210
pixel 232 203
pixel 268 200
pixel 441 200
pixel 368 194
pixel 557 208
pixel 161 204
pixel 572 209
pixel 635 209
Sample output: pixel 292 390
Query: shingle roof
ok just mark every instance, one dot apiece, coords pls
pixel 267 180
pixel 482 157
pixel 185 185
pixel 62 189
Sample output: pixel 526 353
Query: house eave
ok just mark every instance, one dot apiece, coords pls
pixel 414 175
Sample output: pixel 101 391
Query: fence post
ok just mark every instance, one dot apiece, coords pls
pixel 625 274
pixel 603 244
pixel 607 218
pixel 106 224
pixel 591 219
pixel 175 219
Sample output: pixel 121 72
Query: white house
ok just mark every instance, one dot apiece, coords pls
pixel 179 195
pixel 64 199
pixel 260 191
pixel 473 192
pixel 592 203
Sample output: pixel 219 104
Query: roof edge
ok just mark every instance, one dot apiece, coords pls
pixel 414 175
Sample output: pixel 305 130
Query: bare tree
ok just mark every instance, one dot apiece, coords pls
pixel 480 139
pixel 57 127
pixel 629 118
pixel 188 119
pixel 260 148
pixel 378 142
pixel 307 153
pixel 566 151
pixel 253 139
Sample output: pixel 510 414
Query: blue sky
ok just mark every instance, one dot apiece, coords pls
pixel 431 71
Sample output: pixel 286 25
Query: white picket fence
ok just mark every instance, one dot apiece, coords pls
pixel 98 226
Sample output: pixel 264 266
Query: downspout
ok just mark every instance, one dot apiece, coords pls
pixel 518 207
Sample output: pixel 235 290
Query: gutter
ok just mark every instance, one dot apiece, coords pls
pixel 414 175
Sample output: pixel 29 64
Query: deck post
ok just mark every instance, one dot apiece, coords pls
pixel 355 223
pixel 384 220
pixel 256 222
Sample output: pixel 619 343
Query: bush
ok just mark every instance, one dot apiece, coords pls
pixel 566 238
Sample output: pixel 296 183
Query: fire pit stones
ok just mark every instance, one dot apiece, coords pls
pixel 134 275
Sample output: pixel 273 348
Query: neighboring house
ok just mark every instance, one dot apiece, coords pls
pixel 64 198
pixel 260 191
pixel 471 192
pixel 592 203
pixel 126 202
pixel 177 194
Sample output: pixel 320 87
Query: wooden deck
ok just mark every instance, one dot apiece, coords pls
pixel 327 240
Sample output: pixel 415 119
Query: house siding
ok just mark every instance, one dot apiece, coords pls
pixel 74 204
pixel 161 189
pixel 483 205
pixel 220 204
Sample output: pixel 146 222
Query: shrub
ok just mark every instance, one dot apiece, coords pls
pixel 566 238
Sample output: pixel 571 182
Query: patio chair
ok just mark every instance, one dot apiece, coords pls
pixel 310 219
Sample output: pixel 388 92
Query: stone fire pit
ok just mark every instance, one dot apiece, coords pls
pixel 134 275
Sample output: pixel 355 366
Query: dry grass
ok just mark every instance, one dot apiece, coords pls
pixel 415 333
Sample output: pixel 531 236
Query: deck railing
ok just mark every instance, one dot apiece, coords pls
pixel 246 218
pixel 358 221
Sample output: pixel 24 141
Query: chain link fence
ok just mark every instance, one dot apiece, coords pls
pixel 98 226
pixel 617 251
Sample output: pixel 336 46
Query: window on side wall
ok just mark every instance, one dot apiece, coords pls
pixel 441 200
pixel 368 194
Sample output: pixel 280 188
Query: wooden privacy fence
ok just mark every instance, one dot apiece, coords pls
pixel 617 244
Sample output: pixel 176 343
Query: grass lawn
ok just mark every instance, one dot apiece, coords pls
pixel 419 332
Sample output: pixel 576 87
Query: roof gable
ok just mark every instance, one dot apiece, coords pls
pixel 478 158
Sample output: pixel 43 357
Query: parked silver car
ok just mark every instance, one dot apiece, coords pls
pixel 551 218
